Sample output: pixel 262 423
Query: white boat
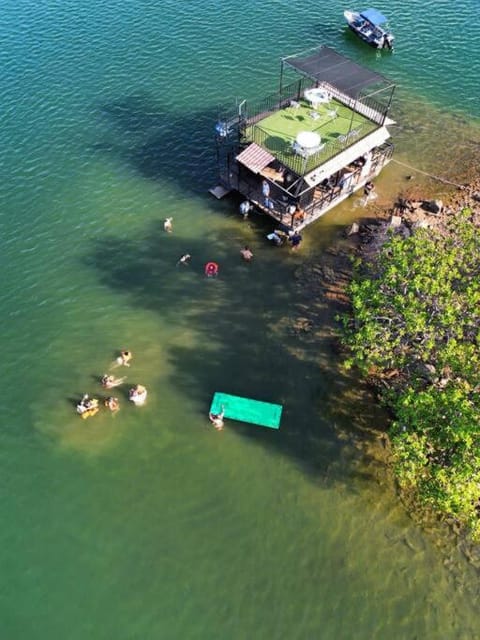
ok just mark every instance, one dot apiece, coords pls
pixel 371 26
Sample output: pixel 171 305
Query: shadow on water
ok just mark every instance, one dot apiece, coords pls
pixel 158 143
pixel 244 344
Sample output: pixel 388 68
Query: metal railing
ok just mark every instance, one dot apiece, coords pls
pixel 367 106
pixel 300 165
pixel 313 201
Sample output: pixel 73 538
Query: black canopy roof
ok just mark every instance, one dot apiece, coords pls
pixel 326 65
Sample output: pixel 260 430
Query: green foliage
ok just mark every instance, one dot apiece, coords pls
pixel 418 313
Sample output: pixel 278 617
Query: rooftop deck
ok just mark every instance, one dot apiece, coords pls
pixel 297 153
pixel 337 123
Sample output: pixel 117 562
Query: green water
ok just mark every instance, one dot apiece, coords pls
pixel 151 524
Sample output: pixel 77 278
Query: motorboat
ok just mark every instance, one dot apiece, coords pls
pixel 371 26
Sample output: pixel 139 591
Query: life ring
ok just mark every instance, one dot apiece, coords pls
pixel 211 269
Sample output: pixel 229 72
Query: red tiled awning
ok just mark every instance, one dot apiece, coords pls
pixel 255 158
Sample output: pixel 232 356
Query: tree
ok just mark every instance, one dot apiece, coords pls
pixel 416 313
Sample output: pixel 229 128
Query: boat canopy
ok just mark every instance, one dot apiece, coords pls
pixel 374 17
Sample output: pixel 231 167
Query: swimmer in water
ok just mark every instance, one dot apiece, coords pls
pixel 124 358
pixel 112 404
pixel 217 419
pixel 138 395
pixel 108 382
pixel 246 254
pixel 185 259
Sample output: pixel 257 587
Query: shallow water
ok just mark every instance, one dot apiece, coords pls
pixel 150 524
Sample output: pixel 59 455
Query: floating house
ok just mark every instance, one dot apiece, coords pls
pixel 298 153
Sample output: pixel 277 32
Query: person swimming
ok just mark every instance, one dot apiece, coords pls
pixel 108 382
pixel 82 406
pixel 217 419
pixel 168 225
pixel 295 240
pixel 138 395
pixel 124 358
pixel 87 404
pixel 185 259
pixel 246 254
pixel 245 208
pixel 112 404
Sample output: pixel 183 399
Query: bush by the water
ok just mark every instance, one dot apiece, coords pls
pixel 415 327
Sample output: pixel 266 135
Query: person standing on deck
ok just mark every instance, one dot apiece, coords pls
pixel 266 193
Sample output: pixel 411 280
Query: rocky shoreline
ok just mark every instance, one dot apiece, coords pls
pixel 323 285
pixel 328 276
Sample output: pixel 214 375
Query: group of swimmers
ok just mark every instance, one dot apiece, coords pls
pixel 211 268
pixel 88 407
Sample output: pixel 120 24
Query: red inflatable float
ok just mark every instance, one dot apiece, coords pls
pixel 211 269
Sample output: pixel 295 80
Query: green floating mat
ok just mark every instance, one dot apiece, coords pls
pixel 264 414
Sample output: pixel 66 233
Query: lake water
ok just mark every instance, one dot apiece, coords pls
pixel 151 524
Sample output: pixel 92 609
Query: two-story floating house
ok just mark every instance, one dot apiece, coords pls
pixel 296 154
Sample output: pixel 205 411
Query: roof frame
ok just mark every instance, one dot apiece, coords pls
pixel 323 64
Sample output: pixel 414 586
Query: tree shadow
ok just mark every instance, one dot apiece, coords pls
pixel 245 345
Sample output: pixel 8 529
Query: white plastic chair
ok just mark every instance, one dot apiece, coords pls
pixel 319 148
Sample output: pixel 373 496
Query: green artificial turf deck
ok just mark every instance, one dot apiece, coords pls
pixel 277 131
